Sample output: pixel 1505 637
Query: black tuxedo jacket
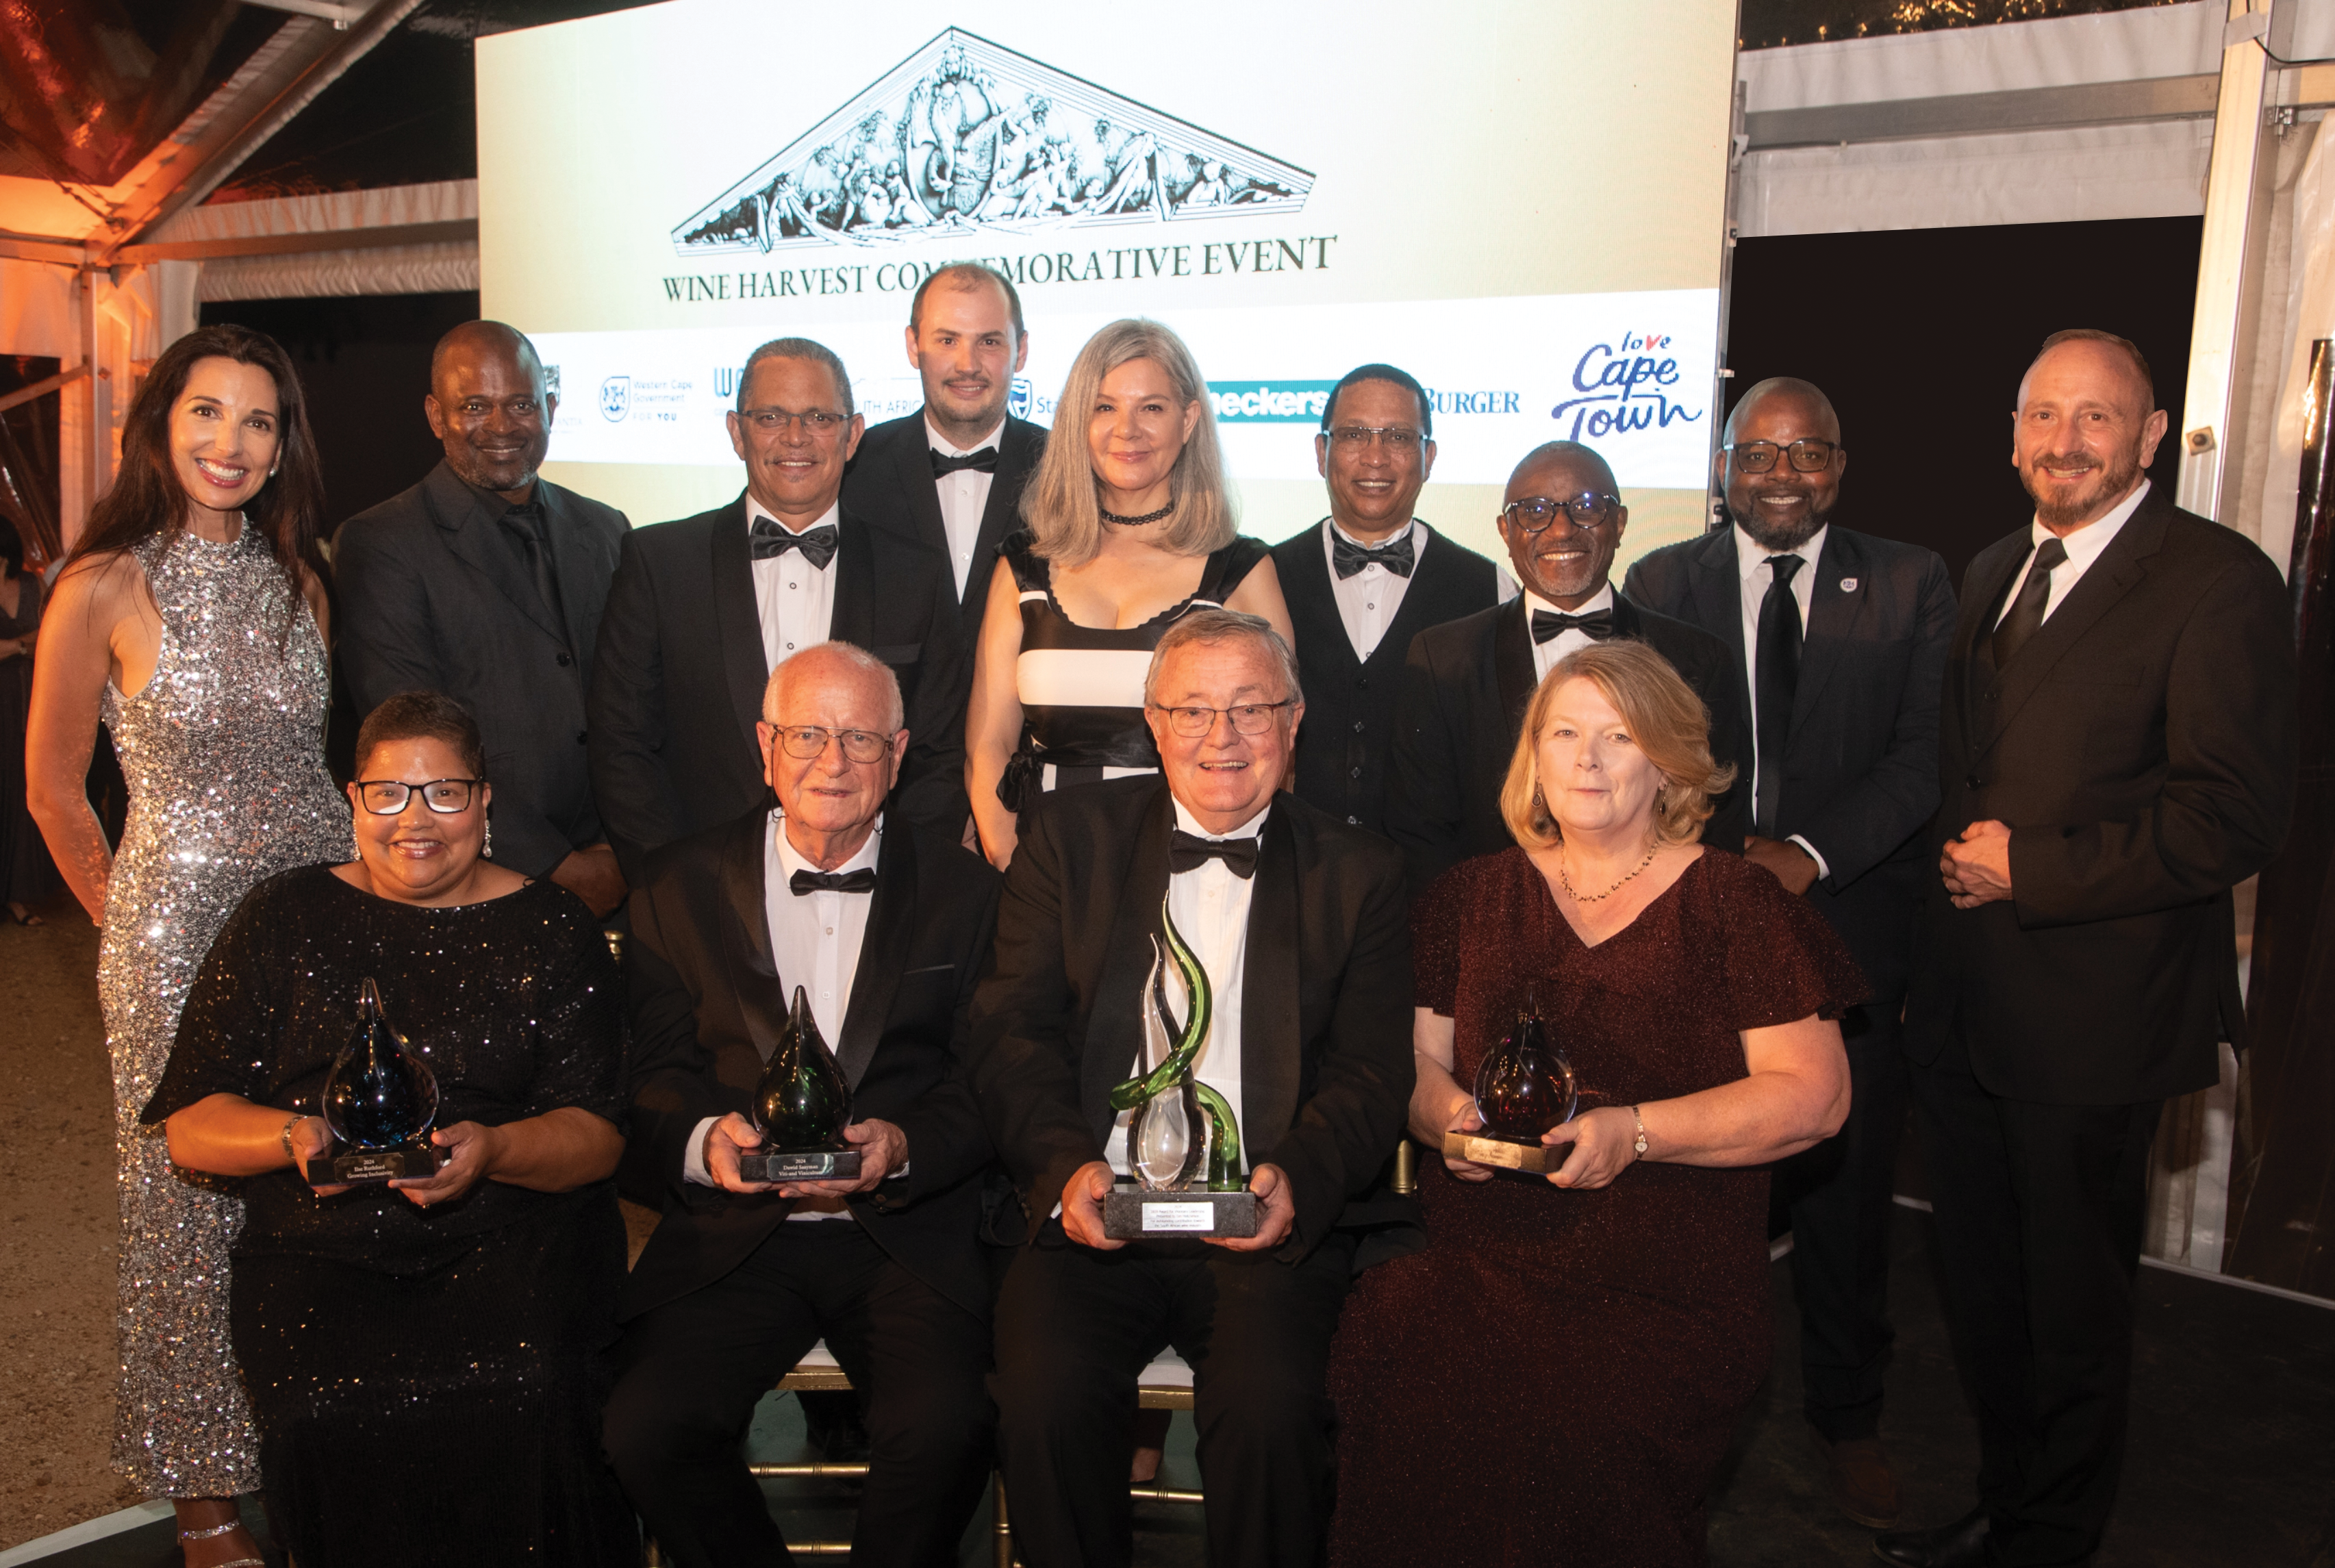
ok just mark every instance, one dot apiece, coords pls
pixel 1349 729
pixel 1325 1004
pixel 708 1004
pixel 2142 750
pixel 1465 688
pixel 432 598
pixel 1861 763
pixel 679 683
pixel 891 485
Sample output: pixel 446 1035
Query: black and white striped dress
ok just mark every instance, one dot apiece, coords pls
pixel 1081 687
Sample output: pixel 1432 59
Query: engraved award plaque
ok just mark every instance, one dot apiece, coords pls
pixel 1524 1088
pixel 379 1100
pixel 800 1107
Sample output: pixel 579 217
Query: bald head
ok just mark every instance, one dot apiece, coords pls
pixel 489 407
pixel 484 337
pixel 839 671
pixel 1572 456
pixel 1804 396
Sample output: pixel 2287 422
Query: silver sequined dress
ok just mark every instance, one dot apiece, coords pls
pixel 223 751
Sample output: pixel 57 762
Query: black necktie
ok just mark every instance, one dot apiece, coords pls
pixel 1548 623
pixel 818 545
pixel 982 461
pixel 525 523
pixel 860 881
pixel 2026 617
pixel 1779 682
pixel 1188 852
pixel 1350 557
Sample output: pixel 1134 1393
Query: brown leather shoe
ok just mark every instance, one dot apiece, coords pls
pixel 1863 1485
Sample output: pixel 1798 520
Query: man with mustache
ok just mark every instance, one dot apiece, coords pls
pixel 2116 751
pixel 1466 684
pixel 1842 639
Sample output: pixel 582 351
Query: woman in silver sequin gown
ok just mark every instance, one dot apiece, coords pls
pixel 188 619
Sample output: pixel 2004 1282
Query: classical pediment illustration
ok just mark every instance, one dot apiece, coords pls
pixel 965 136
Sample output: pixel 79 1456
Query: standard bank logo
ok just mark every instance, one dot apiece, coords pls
pixel 1019 397
pixel 965 136
pixel 616 398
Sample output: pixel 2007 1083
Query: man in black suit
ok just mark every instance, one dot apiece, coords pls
pixel 1464 683
pixel 950 475
pixel 1299 922
pixel 2116 751
pixel 703 610
pixel 882 926
pixel 1842 638
pixel 485 581
pixel 1364 581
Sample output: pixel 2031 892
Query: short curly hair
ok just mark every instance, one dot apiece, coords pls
pixel 1663 716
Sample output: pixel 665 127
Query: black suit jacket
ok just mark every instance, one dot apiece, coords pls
pixel 891 485
pixel 708 1004
pixel 1349 702
pixel 432 598
pixel 1465 688
pixel 1861 763
pixel 1325 1004
pixel 2142 750
pixel 679 683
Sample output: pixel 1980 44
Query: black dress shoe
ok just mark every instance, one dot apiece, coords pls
pixel 1961 1544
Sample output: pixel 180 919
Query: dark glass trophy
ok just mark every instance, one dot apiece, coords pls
pixel 1524 1088
pixel 379 1100
pixel 800 1107
pixel 1184 1144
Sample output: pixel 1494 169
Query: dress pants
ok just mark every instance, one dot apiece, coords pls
pixel 1075 1326
pixel 2038 1212
pixel 690 1372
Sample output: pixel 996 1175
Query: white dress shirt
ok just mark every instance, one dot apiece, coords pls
pixel 793 600
pixel 963 497
pixel 1547 655
pixel 2083 546
pixel 1755 573
pixel 1367 600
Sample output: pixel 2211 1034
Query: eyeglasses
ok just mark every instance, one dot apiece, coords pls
pixel 389 797
pixel 809 740
pixel 1588 509
pixel 1248 718
pixel 1354 438
pixel 814 421
pixel 1808 457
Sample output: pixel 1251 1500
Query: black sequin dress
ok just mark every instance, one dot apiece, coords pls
pixel 424 1382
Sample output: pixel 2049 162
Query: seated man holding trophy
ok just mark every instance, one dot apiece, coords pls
pixel 807 1193
pixel 1192 1054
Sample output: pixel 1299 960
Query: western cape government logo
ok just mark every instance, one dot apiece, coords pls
pixel 616 397
pixel 965 136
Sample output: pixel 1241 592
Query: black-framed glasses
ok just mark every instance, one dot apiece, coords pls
pixel 806 742
pixel 1588 509
pixel 814 421
pixel 1248 718
pixel 1354 438
pixel 388 797
pixel 1808 457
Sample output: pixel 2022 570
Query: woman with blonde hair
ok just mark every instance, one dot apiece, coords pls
pixel 1558 1374
pixel 1129 529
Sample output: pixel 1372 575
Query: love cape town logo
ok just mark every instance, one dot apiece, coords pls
pixel 1624 389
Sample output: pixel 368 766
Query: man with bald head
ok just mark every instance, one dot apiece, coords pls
pixel 485 581
pixel 1466 684
pixel 1841 637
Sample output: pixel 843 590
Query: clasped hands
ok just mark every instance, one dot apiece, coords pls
pixel 1976 865
pixel 1604 1141
pixel 471 1148
pixel 1083 1194
pixel 883 1149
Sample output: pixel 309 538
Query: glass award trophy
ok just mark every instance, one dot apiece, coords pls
pixel 1524 1088
pixel 379 1100
pixel 1184 1144
pixel 800 1107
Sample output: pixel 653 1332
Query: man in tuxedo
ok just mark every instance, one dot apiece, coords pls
pixel 881 925
pixel 1299 922
pixel 1464 683
pixel 2116 751
pixel 485 581
pixel 1364 581
pixel 950 475
pixel 703 610
pixel 1842 639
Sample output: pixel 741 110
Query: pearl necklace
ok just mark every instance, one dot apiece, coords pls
pixel 1579 898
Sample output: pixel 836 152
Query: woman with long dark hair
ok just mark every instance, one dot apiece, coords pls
pixel 190 620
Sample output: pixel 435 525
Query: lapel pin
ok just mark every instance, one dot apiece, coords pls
pixel 1848 585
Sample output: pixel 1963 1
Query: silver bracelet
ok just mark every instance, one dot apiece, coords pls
pixel 1642 1131
pixel 285 1138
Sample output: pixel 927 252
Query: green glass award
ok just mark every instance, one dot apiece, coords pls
pixel 800 1107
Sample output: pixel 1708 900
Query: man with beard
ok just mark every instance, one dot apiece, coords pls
pixel 485 581
pixel 2116 751
pixel 1842 638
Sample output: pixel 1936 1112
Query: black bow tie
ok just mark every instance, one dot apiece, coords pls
pixel 860 881
pixel 1547 624
pixel 1188 852
pixel 766 539
pixel 1350 557
pixel 983 461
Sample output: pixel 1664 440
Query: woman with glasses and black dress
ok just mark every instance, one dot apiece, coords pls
pixel 421 1357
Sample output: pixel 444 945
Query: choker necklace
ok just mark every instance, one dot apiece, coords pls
pixel 1110 517
pixel 1566 881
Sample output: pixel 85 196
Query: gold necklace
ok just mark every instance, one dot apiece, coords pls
pixel 1578 897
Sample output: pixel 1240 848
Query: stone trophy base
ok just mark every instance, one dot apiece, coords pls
pixel 1131 1214
pixel 1510 1154
pixel 801 1165
pixel 358 1167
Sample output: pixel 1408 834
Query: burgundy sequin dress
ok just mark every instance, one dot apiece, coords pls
pixel 1556 1377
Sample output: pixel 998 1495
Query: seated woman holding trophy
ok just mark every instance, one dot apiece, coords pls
pixel 431 1249
pixel 1558 1374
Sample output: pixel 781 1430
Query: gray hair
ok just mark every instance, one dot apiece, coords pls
pixel 798 348
pixel 1210 628
pixel 850 655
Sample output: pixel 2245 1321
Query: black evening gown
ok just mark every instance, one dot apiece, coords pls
pixel 425 1382
pixel 27 876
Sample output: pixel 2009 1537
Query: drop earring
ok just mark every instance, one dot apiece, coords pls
pixel 488 848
